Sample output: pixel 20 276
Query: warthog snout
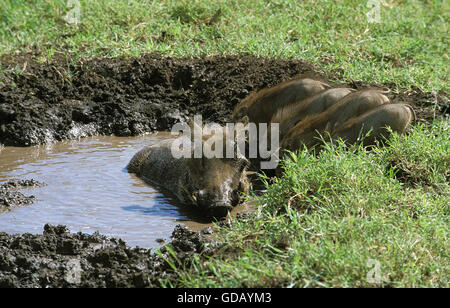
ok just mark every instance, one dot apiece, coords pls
pixel 220 198
pixel 214 206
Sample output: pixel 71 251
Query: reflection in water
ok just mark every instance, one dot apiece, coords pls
pixel 88 189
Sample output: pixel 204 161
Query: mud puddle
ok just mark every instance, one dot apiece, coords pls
pixel 89 190
pixel 69 99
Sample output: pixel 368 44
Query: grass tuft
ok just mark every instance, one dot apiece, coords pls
pixel 407 46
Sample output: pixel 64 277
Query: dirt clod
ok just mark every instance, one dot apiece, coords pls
pixel 57 258
pixel 10 197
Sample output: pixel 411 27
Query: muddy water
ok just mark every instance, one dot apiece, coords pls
pixel 89 190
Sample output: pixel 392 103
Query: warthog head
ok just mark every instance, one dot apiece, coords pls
pixel 212 181
pixel 217 182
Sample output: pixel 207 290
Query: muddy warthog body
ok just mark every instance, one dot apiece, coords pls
pixel 261 106
pixel 375 122
pixel 309 130
pixel 356 104
pixel 213 185
pixel 294 113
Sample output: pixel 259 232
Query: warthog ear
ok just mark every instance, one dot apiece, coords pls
pixel 384 90
pixel 241 162
pixel 325 85
pixel 239 113
pixel 244 120
pixel 194 127
pixel 245 163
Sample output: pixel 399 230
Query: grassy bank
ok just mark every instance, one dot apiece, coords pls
pixel 345 218
pixel 407 44
pixel 341 219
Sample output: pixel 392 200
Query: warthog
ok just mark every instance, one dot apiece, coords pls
pixel 353 105
pixel 445 109
pixel 213 185
pixel 294 113
pixel 375 121
pixel 261 106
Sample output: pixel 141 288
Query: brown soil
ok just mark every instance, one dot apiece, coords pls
pixel 10 197
pixel 43 102
pixel 58 259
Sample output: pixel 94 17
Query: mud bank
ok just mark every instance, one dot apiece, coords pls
pixel 10 197
pixel 58 258
pixel 44 102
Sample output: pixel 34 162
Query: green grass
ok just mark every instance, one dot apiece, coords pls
pixel 338 218
pixel 409 46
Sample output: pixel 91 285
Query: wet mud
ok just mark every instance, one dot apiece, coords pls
pixel 10 197
pixel 44 102
pixel 88 189
pixel 57 258
pixel 63 99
